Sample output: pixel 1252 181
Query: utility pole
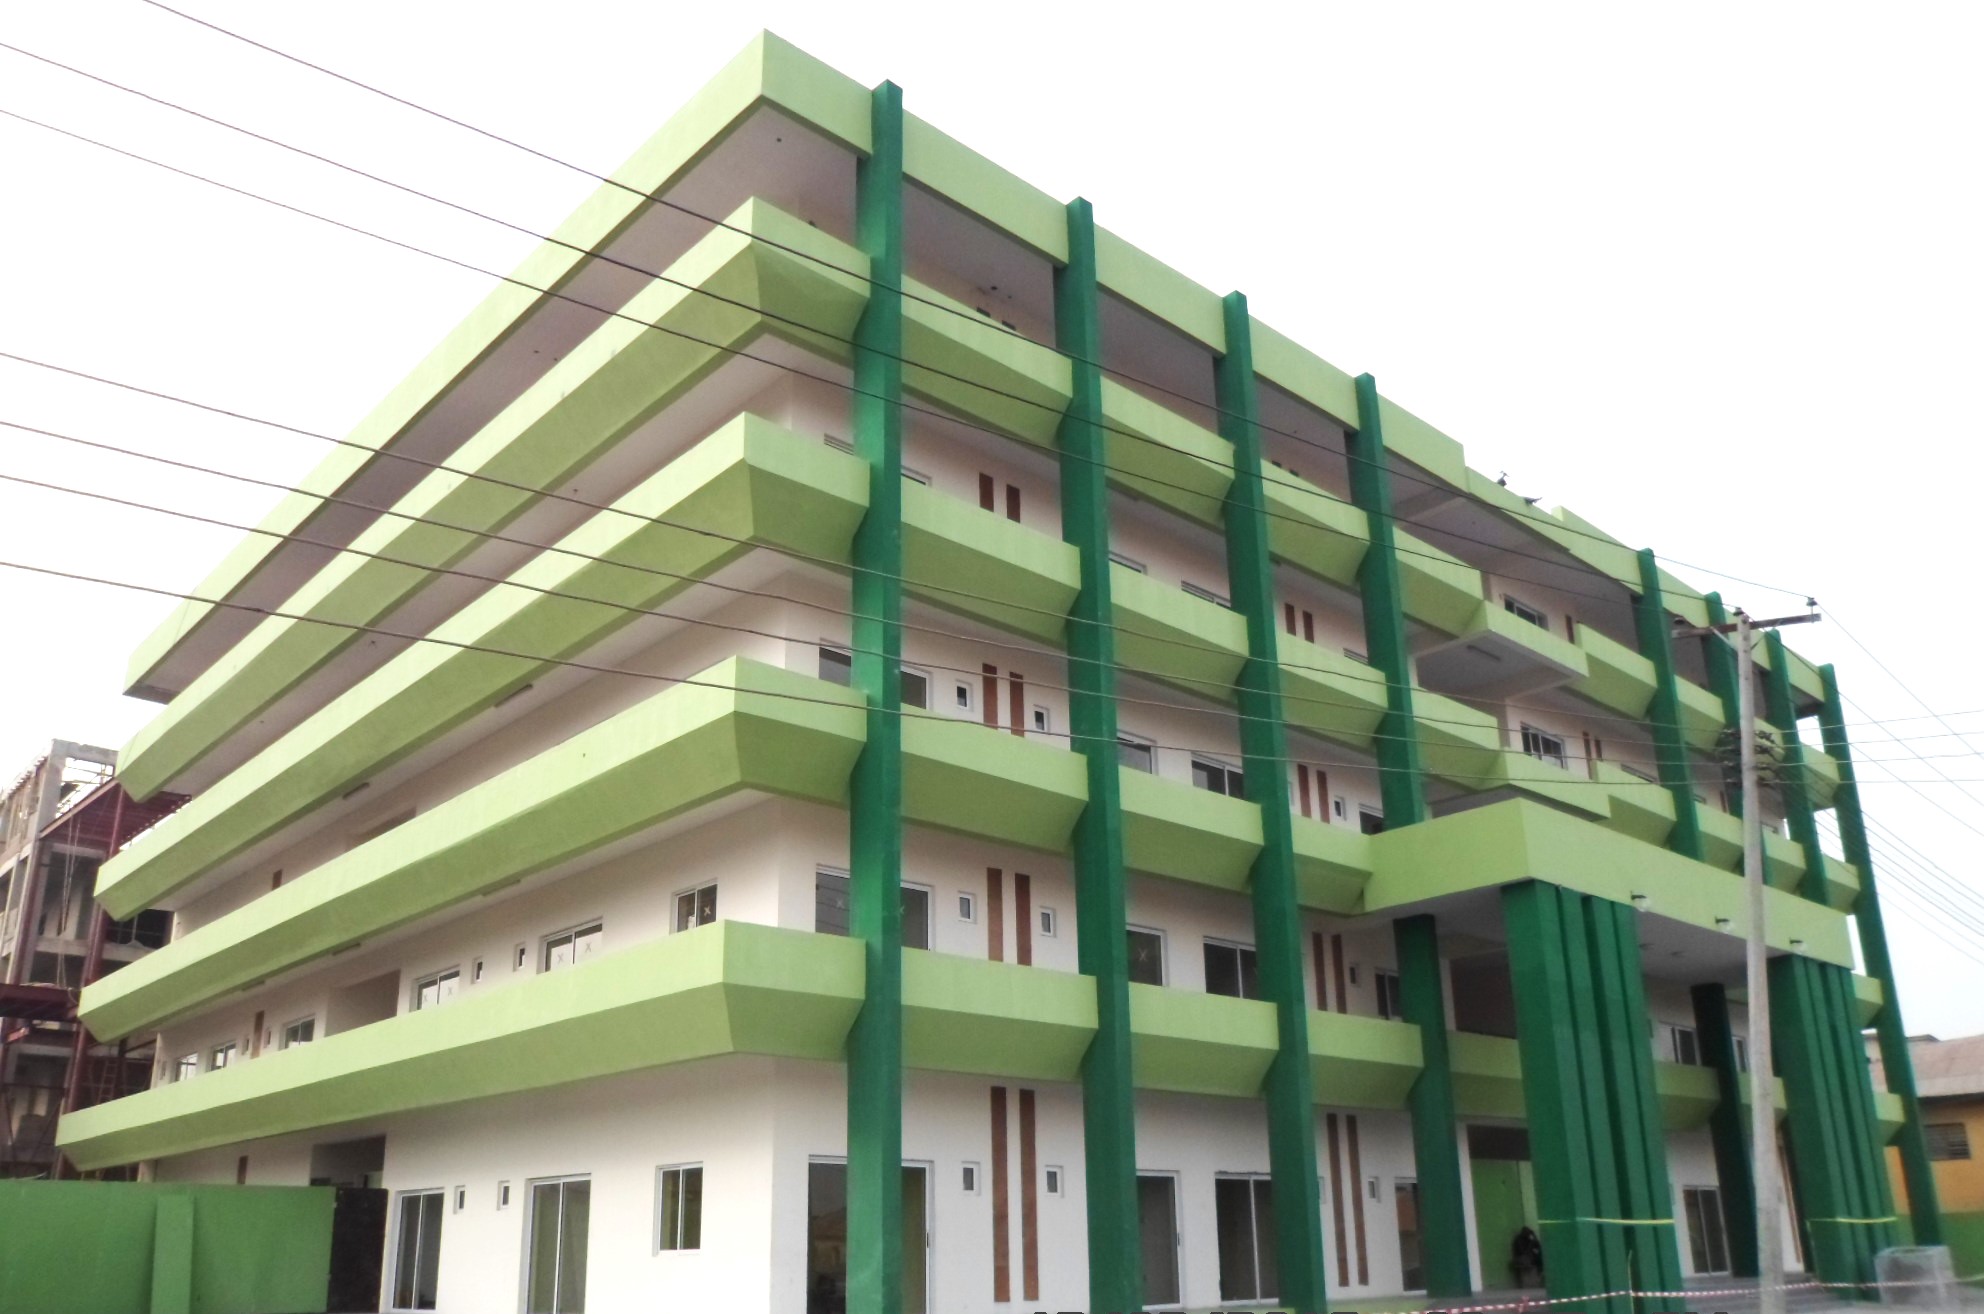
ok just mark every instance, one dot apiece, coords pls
pixel 1767 1179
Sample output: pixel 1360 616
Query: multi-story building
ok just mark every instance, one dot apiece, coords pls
pixel 894 752
pixel 59 820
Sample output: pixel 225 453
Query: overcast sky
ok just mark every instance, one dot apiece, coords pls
pixel 1709 275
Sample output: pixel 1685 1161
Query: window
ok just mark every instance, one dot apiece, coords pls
pixel 187 1066
pixel 1206 595
pixel 968 1179
pixel 1683 1046
pixel 461 1198
pixel 567 948
pixel 1706 1243
pixel 681 1208
pixel 836 665
pixel 1127 563
pixel 502 1195
pixel 150 929
pixel 1054 1178
pixel 961 695
pixel 300 1032
pixel 1947 1140
pixel 967 907
pixel 555 1257
pixel 1218 777
pixel 222 1056
pixel 475 973
pixel 695 907
pixel 1370 821
pixel 1136 753
pixel 1231 970
pixel 1043 720
pixel 1048 922
pixel 830 908
pixel 915 688
pixel 1523 611
pixel 1742 1054
pixel 435 988
pixel 1542 746
pixel 1146 956
pixel 1411 1262
pixel 1386 984
pixel 1246 1238
pixel 417 1250
pixel 522 957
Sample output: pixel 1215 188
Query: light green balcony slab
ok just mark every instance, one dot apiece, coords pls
pixel 1000 1019
pixel 1162 457
pixel 742 726
pixel 1640 808
pixel 1688 1094
pixel 1459 744
pixel 1821 776
pixel 1487 1076
pixel 1701 715
pixel 1169 635
pixel 750 480
pixel 1301 372
pixel 726 988
pixel 949 352
pixel 1332 863
pixel 1552 660
pixel 1889 1114
pixel 1362 1062
pixel 1441 590
pixel 1174 829
pixel 1557 784
pixel 1313 530
pixel 1722 838
pixel 1199 1044
pixel 1842 884
pixel 1867 997
pixel 987 782
pixel 967 560
pixel 1784 861
pixel 1518 839
pixel 601 392
pixel 1616 677
pixel 1330 694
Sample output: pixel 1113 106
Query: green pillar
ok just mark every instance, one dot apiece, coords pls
pixel 1729 1127
pixel 1402 784
pixel 1290 1084
pixel 1791 772
pixel 1896 1064
pixel 1115 1273
pixel 1670 747
pixel 1435 1141
pixel 874 1045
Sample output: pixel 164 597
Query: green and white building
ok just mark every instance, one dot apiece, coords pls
pixel 894 753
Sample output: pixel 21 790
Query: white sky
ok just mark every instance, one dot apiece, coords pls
pixel 1708 274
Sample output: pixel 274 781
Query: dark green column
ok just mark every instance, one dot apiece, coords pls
pixel 1435 1140
pixel 1298 1217
pixel 1115 1273
pixel 874 1045
pixel 1402 785
pixel 1782 714
pixel 1670 746
pixel 1729 1127
pixel 1896 1064
pixel 1719 657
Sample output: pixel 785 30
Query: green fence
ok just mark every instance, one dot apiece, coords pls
pixel 145 1248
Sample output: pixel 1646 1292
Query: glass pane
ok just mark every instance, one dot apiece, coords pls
pixel 915 690
pixel 557 952
pixel 446 986
pixel 829 903
pixel 1406 1195
pixel 540 1282
pixel 1234 1199
pixel 586 943
pixel 406 1255
pixel 706 905
pixel 1222 970
pixel 685 910
pixel 1270 1278
pixel 915 1242
pixel 572 1247
pixel 428 1272
pixel 671 1209
pixel 1147 965
pixel 915 918
pixel 826 1238
pixel 1250 976
pixel 1135 756
pixel 836 666
pixel 1157 1222
pixel 1718 1256
pixel 692 1209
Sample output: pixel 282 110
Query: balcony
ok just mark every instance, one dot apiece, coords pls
pixel 1313 530
pixel 1616 677
pixel 1498 655
pixel 1440 590
pixel 1169 635
pixel 1329 694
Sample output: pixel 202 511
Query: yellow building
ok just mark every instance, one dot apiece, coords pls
pixel 1949 1074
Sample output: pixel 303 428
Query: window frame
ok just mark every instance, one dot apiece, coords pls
pixel 290 1027
pixel 1525 611
pixel 1961 1141
pixel 692 892
pixel 1229 776
pixel 186 1066
pixel 530 1223
pixel 1049 922
pixel 1136 743
pixel 968 907
pixel 1387 991
pixel 1561 758
pixel 1241 952
pixel 922 673
pixel 434 978
pixel 662 1244
pixel 1163 952
pixel 572 932
pixel 222 1056
pixel 400 1201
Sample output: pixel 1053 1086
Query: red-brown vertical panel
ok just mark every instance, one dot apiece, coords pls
pixel 1357 1199
pixel 1029 1203
pixel 1336 1205
pixel 1002 1254
pixel 1570 627
pixel 1016 701
pixel 241 1171
pixel 255 1037
pixel 987 492
pixel 1012 502
pixel 995 915
pixel 989 687
pixel 1336 970
pixel 1022 919
pixel 1288 616
pixel 1309 626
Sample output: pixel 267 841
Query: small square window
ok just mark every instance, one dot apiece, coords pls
pixel 1048 922
pixel 961 695
pixel 1043 721
pixel 915 688
pixel 1337 807
pixel 968 1179
pixel 502 1195
pixel 967 907
pixel 475 973
pixel 522 958
pixel 695 907
pixel 679 1213
pixel 1053 1180
pixel 461 1198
